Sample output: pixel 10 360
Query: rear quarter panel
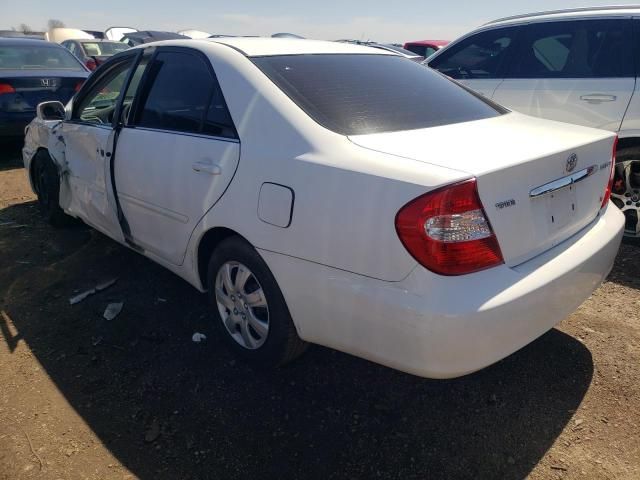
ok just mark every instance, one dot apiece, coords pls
pixel 345 197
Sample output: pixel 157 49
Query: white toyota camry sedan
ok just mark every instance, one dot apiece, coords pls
pixel 335 194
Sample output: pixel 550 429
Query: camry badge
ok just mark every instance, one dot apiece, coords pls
pixel 572 161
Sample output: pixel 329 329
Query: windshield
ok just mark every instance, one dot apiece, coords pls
pixel 97 49
pixel 37 58
pixel 361 94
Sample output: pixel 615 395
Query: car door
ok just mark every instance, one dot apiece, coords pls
pixel 88 141
pixel 479 60
pixel 176 153
pixel 579 71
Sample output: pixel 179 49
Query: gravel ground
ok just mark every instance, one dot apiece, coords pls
pixel 82 397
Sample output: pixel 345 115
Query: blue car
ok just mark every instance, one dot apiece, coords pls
pixel 34 71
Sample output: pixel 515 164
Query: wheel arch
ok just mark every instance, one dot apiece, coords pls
pixel 207 244
pixel 628 142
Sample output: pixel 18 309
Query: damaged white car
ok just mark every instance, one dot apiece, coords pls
pixel 335 194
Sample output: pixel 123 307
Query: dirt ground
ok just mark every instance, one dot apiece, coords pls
pixel 86 398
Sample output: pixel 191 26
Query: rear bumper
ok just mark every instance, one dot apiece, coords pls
pixel 443 327
pixel 13 124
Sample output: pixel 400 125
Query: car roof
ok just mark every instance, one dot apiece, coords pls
pixel 437 43
pixel 15 42
pixel 261 46
pixel 583 12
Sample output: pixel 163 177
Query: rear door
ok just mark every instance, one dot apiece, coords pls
pixel 479 61
pixel 579 71
pixel 176 154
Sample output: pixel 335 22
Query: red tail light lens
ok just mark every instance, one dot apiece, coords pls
pixel 607 192
pixel 6 88
pixel 91 64
pixel 448 232
pixel 78 86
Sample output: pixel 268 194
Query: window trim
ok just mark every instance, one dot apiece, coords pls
pixel 102 71
pixel 524 36
pixel 145 87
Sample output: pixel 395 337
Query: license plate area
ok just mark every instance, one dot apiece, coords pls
pixel 561 208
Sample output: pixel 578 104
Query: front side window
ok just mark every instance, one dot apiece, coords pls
pixel 480 56
pixel 361 94
pixel 99 104
pixel 576 49
pixel 183 96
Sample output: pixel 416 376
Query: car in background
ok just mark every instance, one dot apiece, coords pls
pixel 93 52
pixel 576 66
pixel 425 48
pixel 31 72
pixel 424 228
pixel 15 34
pixel 60 34
pixel 116 33
pixel 389 47
pixel 195 34
pixel 140 37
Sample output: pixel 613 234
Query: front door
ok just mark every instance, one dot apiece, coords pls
pixel 578 72
pixel 88 140
pixel 176 153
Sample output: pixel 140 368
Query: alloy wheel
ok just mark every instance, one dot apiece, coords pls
pixel 625 194
pixel 242 304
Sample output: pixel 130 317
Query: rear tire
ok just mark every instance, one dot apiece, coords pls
pixel 243 295
pixel 46 182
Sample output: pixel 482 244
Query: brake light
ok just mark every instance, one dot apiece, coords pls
pixel 607 192
pixel 448 232
pixel 6 88
pixel 91 64
pixel 78 86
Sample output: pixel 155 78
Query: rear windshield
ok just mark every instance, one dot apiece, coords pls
pixel 97 49
pixel 37 58
pixel 361 94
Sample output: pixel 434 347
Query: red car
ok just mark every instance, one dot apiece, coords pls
pixel 425 48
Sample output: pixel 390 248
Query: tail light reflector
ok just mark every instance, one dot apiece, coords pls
pixel 6 88
pixel 91 64
pixel 78 86
pixel 607 192
pixel 448 232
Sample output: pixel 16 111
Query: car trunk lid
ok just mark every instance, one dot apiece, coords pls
pixel 539 181
pixel 27 89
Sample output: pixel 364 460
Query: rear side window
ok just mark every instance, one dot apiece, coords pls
pixel 362 94
pixel 576 49
pixel 483 55
pixel 183 96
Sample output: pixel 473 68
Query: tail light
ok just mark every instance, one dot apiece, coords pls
pixel 607 192
pixel 78 86
pixel 448 232
pixel 91 64
pixel 6 88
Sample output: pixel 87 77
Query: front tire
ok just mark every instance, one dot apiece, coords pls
pixel 249 309
pixel 46 182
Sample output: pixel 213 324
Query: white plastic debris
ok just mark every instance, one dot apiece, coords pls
pixel 98 288
pixel 198 337
pixel 113 310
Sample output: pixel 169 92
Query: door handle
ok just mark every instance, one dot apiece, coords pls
pixel 210 168
pixel 598 98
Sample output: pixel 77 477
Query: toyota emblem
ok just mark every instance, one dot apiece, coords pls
pixel 572 161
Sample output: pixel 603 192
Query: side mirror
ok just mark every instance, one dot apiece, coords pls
pixel 50 111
